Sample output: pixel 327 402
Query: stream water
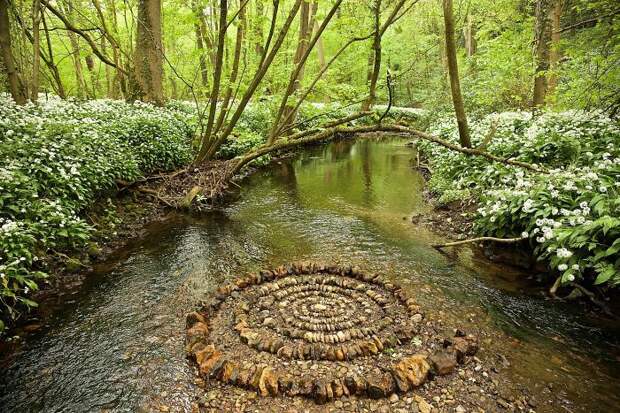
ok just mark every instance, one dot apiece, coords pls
pixel 116 343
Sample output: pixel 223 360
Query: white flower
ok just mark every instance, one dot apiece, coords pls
pixel 570 277
pixel 528 206
pixel 562 267
pixel 524 234
pixel 564 253
pixel 602 189
pixel 575 267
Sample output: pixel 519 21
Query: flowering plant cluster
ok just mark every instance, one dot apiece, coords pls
pixel 59 155
pixel 570 215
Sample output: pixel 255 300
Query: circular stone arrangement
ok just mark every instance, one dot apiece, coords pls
pixel 321 332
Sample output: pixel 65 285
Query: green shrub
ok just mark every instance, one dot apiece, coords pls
pixel 58 157
pixel 570 215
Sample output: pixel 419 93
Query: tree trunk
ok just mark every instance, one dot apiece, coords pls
pixel 36 49
pixel 453 73
pixel 204 73
pixel 94 78
pixel 16 85
pixel 304 36
pixel 260 10
pixel 554 56
pixel 148 54
pixel 542 39
pixel 469 32
pixel 60 88
pixel 320 51
pixel 234 71
pixel 376 58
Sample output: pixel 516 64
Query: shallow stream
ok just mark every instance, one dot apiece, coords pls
pixel 116 344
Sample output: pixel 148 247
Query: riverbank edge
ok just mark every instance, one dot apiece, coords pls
pixel 455 221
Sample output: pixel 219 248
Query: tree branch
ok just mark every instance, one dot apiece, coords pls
pixel 83 35
pixel 479 239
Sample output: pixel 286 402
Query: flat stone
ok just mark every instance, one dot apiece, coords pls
pixel 199 332
pixel 411 370
pixel 443 362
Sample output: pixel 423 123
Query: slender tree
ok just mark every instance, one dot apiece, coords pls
pixel 453 73
pixel 36 49
pixel 554 54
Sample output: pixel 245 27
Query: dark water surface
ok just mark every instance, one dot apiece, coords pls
pixel 117 345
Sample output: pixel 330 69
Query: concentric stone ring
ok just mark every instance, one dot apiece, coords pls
pixel 318 331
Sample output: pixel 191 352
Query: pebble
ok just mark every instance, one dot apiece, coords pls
pixel 338 404
pixel 424 406
pixel 459 409
pixel 394 398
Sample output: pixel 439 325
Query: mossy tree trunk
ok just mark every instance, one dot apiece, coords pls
pixel 16 85
pixel 148 54
pixel 542 40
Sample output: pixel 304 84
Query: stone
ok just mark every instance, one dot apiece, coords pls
pixel 203 353
pixel 268 382
pixel 320 392
pixel 199 332
pixel 248 336
pixel 245 375
pixel 256 377
pixel 394 398
pixel 337 389
pixel 424 406
pixel 227 372
pixel 379 384
pixel 460 409
pixel 417 318
pixel 210 361
pixel 193 318
pixel 443 362
pixel 355 383
pixel 464 346
pixel 411 370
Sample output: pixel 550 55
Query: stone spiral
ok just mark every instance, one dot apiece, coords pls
pixel 317 331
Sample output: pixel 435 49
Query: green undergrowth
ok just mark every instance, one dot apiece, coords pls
pixel 570 215
pixel 58 158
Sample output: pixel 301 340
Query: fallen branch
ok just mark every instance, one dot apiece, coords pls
pixel 467 151
pixel 479 239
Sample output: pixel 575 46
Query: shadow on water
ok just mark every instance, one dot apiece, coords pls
pixel 117 343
